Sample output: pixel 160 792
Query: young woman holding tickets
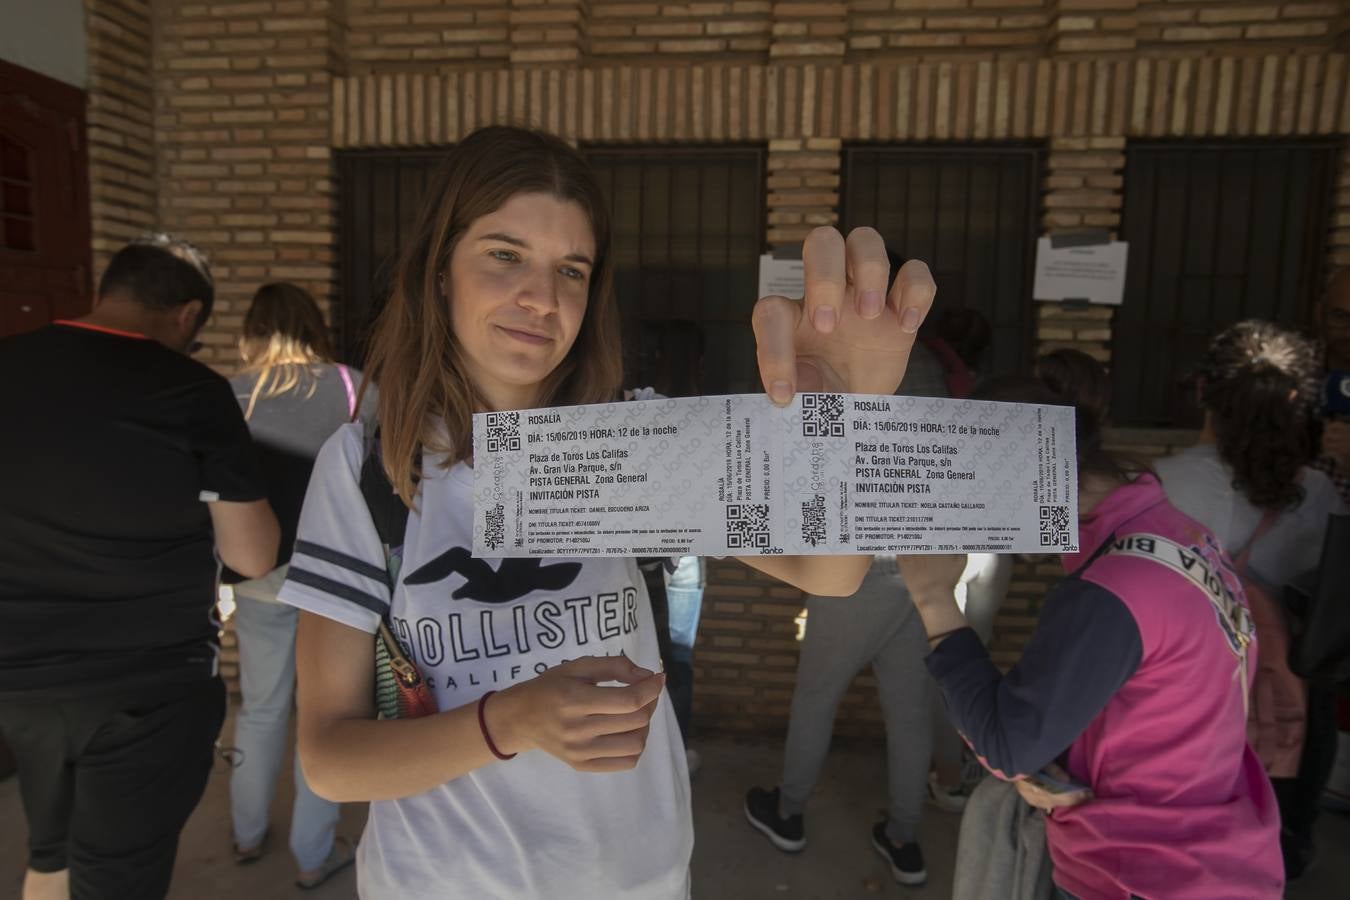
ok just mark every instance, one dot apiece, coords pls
pixel 536 778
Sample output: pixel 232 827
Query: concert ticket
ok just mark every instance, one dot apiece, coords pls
pixel 737 476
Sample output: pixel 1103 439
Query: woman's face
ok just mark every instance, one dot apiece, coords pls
pixel 517 286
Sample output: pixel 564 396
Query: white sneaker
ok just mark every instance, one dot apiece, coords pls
pixel 694 760
pixel 952 800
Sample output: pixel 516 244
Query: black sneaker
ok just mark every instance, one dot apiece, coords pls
pixel 906 862
pixel 761 811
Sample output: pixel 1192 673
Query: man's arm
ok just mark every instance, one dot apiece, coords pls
pixel 247 536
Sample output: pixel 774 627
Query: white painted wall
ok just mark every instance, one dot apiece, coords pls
pixel 46 36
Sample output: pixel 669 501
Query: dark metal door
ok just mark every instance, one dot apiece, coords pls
pixel 380 197
pixel 688 232
pixel 1218 232
pixel 971 213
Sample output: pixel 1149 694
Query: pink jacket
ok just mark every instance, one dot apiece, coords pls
pixel 1182 807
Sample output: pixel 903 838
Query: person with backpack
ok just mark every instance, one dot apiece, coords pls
pixel 1249 480
pixel 1125 717
pixel 293 397
pixel 533 752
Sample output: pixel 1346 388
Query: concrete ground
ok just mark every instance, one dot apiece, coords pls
pixel 731 862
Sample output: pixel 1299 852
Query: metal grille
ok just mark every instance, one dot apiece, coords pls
pixel 380 196
pixel 1218 233
pixel 969 212
pixel 688 232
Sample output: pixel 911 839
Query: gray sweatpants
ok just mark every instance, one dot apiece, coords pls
pixel 877 625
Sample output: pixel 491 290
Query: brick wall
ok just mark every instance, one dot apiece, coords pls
pixel 1168 24
pixel 120 124
pixel 222 124
pixel 243 100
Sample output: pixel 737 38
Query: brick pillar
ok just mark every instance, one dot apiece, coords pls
pixel 120 124
pixel 803 187
pixel 1094 26
pixel 244 149
pixel 1082 189
pixel 547 31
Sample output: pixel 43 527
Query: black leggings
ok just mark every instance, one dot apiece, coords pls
pixel 109 781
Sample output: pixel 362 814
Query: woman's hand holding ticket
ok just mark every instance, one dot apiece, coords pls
pixel 849 333
pixel 568 714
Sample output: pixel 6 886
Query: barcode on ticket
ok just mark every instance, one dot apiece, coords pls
pixel 503 432
pixel 748 526
pixel 1055 526
pixel 822 415
pixel 813 521
pixel 495 532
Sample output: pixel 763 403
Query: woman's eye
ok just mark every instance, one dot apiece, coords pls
pixel 504 255
pixel 574 274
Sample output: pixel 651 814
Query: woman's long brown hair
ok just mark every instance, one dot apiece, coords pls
pixel 427 400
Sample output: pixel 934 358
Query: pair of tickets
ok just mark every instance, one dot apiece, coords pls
pixel 737 476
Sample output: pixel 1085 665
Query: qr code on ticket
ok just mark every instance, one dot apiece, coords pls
pixel 822 415
pixel 747 526
pixel 1055 526
pixel 495 533
pixel 503 431
pixel 813 521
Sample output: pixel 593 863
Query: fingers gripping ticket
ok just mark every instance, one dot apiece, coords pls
pixel 853 329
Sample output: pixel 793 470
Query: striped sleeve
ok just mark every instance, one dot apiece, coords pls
pixel 338 568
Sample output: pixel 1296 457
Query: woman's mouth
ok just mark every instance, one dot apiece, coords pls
pixel 526 337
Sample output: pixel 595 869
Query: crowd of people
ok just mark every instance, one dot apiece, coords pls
pixel 1149 738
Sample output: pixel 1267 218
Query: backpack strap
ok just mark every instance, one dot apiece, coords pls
pixel 386 507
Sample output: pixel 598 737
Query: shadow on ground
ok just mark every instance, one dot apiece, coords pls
pixel 731 862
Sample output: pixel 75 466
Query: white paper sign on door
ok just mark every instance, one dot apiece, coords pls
pixel 1093 273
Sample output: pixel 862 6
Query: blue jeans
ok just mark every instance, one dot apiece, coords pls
pixel 266 633
pixel 685 603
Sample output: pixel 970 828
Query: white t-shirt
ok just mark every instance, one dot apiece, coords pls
pixel 530 827
pixel 1199 483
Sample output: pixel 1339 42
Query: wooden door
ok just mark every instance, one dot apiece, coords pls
pixel 44 201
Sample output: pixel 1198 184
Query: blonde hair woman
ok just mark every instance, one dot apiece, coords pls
pixel 294 397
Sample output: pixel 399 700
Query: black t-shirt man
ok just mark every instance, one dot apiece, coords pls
pixel 107 565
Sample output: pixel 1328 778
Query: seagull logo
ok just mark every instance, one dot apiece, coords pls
pixel 513 580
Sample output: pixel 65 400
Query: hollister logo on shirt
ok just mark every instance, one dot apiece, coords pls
pixel 471 638
pixel 513 580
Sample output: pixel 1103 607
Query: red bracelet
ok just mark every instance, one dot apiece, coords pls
pixel 482 726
